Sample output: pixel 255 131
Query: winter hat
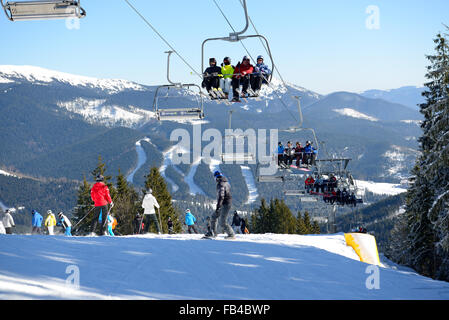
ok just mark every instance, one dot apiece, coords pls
pixel 212 60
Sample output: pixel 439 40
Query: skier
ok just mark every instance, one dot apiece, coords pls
pixel 243 228
pixel 138 224
pixel 241 76
pixel 209 230
pixel 289 154
pixel 36 222
pixel 236 222
pixel 170 226
pixel 111 225
pixel 8 222
pixel 190 221
pixel 299 150
pixel 148 203
pixel 309 183
pixel 65 223
pixel 101 198
pixel 280 153
pixel 224 203
pixel 50 222
pixel 212 75
pixel 260 75
pixel 227 70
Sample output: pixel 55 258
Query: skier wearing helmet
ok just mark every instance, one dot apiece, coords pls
pixel 101 198
pixel 227 70
pixel 224 203
pixel 148 204
pixel 260 75
pixel 241 76
pixel 211 77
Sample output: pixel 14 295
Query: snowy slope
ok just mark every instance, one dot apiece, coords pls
pixel 185 267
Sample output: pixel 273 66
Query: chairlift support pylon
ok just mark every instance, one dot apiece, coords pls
pixel 181 113
pixel 235 157
pixel 42 10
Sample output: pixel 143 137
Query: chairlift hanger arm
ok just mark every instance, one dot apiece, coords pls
pixel 230 39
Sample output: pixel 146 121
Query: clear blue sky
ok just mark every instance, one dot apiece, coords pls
pixel 324 46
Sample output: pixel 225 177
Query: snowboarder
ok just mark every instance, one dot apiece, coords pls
pixel 236 222
pixel 309 183
pixel 212 76
pixel 243 228
pixel 36 222
pixel 8 222
pixel 224 203
pixel 101 198
pixel 148 203
pixel 65 223
pixel 241 76
pixel 170 226
pixel 190 221
pixel 50 222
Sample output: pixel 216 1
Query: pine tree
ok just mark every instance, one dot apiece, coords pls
pixel 84 207
pixel 426 220
pixel 156 182
pixel 300 225
pixel 126 205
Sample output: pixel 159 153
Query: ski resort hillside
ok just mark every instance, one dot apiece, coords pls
pixel 184 267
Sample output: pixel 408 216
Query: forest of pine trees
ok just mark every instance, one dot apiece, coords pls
pixel 127 202
pixel 421 237
pixel 276 217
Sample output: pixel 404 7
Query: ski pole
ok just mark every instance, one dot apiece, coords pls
pixel 84 217
pixel 160 220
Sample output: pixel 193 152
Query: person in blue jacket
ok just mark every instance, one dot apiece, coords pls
pixel 310 153
pixel 36 222
pixel 190 221
pixel 260 75
pixel 281 157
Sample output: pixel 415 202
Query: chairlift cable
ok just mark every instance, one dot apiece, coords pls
pixel 162 38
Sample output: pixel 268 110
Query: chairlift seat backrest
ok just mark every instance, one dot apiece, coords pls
pixel 43 10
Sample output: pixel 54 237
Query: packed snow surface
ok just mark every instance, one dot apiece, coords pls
pixel 355 114
pixel 183 266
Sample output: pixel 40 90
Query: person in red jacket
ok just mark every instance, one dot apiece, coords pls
pixel 309 183
pixel 241 76
pixel 101 198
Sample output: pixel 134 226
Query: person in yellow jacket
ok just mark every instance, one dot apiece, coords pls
pixel 227 70
pixel 50 222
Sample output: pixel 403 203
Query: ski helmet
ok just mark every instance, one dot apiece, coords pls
pixel 212 60
pixel 150 190
pixel 60 214
pixel 227 60
pixel 99 178
pixel 260 57
pixel 49 212
pixel 217 174
pixel 245 58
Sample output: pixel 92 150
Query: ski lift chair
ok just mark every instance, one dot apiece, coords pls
pixel 238 36
pixel 181 113
pixel 42 10
pixel 236 156
pixel 177 113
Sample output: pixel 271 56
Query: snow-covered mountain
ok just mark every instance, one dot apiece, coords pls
pixel 183 267
pixel 38 75
pixel 409 96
